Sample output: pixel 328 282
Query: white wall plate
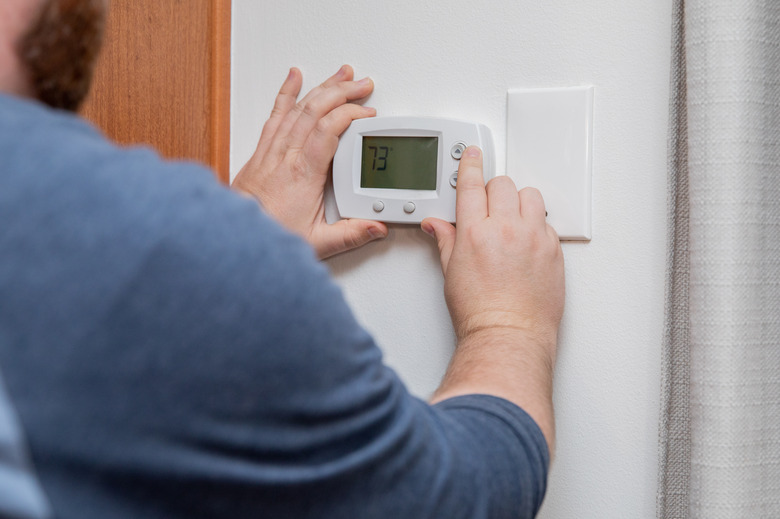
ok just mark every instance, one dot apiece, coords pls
pixel 549 146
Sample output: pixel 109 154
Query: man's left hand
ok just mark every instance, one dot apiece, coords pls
pixel 289 169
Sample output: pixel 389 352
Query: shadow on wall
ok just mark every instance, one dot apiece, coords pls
pixel 401 238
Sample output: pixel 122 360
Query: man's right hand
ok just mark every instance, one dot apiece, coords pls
pixel 504 286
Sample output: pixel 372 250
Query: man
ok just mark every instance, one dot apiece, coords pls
pixel 171 351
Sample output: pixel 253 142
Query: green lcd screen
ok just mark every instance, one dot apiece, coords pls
pixel 399 162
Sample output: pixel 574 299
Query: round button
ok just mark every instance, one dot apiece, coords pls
pixel 409 207
pixel 454 179
pixel 378 206
pixel 457 150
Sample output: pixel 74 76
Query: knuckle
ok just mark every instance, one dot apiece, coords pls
pixel 353 240
pixel 476 236
pixel 469 178
pixel 534 240
pixel 324 126
pixel 298 109
pixel 468 184
pixel 277 111
pixel 508 233
pixel 312 108
pixel 298 168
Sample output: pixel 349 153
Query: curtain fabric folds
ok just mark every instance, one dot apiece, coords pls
pixel 720 416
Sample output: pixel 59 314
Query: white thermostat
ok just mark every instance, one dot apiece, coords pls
pixel 404 169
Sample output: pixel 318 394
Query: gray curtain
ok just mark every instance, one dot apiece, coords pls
pixel 720 416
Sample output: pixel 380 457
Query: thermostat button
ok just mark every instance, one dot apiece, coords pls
pixel 409 207
pixel 457 150
pixel 454 179
pixel 378 206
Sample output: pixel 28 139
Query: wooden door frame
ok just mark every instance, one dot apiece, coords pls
pixel 220 89
pixel 121 100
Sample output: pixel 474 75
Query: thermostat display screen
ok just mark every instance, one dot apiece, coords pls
pixel 399 162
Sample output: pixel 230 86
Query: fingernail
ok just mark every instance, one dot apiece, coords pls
pixel 428 229
pixel 342 71
pixel 364 81
pixel 472 151
pixel 291 74
pixel 375 233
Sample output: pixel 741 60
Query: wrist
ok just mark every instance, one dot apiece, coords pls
pixel 507 324
pixel 239 186
pixel 501 342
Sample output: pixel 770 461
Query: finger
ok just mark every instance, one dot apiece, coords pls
pixel 285 101
pixel 327 99
pixel 345 73
pixel 285 125
pixel 503 201
pixel 324 139
pixel 444 233
pixel 346 235
pixel 471 198
pixel 532 206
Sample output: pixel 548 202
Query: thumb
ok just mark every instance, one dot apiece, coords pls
pixel 444 233
pixel 346 235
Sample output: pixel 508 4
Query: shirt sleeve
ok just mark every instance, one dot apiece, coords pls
pixel 276 398
pixel 506 449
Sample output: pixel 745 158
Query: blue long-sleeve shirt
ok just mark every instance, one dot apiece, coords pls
pixel 172 352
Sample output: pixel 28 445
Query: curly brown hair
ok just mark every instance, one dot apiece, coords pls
pixel 60 48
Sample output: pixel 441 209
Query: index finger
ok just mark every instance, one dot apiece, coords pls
pixel 471 197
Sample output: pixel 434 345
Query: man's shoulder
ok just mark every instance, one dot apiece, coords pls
pixel 66 189
pixel 91 227
pixel 57 166
pixel 42 142
pixel 23 120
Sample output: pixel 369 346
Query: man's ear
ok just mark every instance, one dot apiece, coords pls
pixel 16 17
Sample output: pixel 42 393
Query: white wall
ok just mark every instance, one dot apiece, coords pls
pixel 457 59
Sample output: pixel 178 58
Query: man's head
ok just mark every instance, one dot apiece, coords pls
pixel 50 48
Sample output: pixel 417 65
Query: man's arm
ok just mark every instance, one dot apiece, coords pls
pixel 503 265
pixel 504 286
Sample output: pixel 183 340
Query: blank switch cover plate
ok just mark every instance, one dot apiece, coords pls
pixel 549 143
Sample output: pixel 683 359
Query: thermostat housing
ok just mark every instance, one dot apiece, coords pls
pixel 404 169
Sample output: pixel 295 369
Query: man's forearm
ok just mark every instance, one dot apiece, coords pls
pixel 506 363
